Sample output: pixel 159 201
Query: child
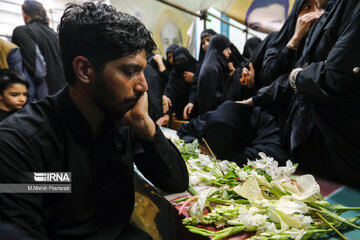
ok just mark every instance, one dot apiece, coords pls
pixel 13 92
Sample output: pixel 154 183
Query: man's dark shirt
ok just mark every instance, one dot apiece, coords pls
pixel 4 114
pixel 53 136
pixel 39 34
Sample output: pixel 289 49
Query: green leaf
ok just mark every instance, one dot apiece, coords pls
pixel 225 195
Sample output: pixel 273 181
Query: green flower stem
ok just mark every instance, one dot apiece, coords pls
pixel 227 232
pixel 219 200
pixel 192 191
pixel 200 231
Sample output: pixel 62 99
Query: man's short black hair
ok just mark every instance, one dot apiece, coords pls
pixel 34 9
pixel 9 77
pixel 101 34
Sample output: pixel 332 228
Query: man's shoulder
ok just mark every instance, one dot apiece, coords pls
pixel 32 119
pixel 19 30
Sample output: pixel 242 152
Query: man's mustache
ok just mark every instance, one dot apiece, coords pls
pixel 134 98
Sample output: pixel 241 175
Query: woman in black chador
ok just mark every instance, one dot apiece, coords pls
pixel 192 106
pixel 178 88
pixel 169 63
pixel 236 132
pixel 251 45
pixel 214 74
pixel 280 51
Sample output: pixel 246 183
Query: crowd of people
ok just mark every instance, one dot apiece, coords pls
pixel 96 92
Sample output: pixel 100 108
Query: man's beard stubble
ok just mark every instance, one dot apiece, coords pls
pixel 106 100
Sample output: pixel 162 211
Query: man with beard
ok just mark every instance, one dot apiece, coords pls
pixel 95 128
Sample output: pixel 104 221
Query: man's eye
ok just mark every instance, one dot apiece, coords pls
pixel 14 94
pixel 130 73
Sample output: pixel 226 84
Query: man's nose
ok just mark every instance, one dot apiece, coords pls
pixel 22 98
pixel 142 85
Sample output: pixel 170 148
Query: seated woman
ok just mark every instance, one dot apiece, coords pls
pixel 13 92
pixel 236 132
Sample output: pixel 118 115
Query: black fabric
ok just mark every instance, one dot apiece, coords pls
pixel 193 93
pixel 325 109
pixel 156 83
pixel 279 59
pixel 236 132
pixel 236 58
pixel 257 59
pixel 321 130
pixel 274 92
pixel 38 33
pixel 250 47
pixel 170 49
pixel 234 90
pixel 4 114
pixel 214 74
pixel 177 89
pixel 206 32
pixel 10 232
pixel 53 136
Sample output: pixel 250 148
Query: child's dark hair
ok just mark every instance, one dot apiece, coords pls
pixel 101 34
pixel 9 77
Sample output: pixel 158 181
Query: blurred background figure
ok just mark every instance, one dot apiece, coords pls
pixel 170 34
pixel 267 15
pixel 39 44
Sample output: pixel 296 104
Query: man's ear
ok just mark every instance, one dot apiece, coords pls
pixel 26 17
pixel 83 69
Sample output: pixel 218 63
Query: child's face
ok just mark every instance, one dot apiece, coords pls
pixel 14 97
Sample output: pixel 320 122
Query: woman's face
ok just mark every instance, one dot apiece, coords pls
pixel 310 6
pixel 227 52
pixel 170 57
pixel 205 42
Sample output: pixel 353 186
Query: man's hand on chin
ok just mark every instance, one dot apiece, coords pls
pixel 139 120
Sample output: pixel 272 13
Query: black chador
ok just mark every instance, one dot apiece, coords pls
pixel 280 59
pixel 193 94
pixel 236 132
pixel 178 89
pixel 214 74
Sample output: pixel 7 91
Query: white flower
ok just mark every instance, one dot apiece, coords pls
pixel 202 175
pixel 304 221
pixel 268 227
pixel 250 219
pixel 308 188
pixel 206 161
pixel 194 180
pixel 249 190
pixel 264 163
pixel 289 206
pixel 296 233
pixel 224 165
pixel 271 168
